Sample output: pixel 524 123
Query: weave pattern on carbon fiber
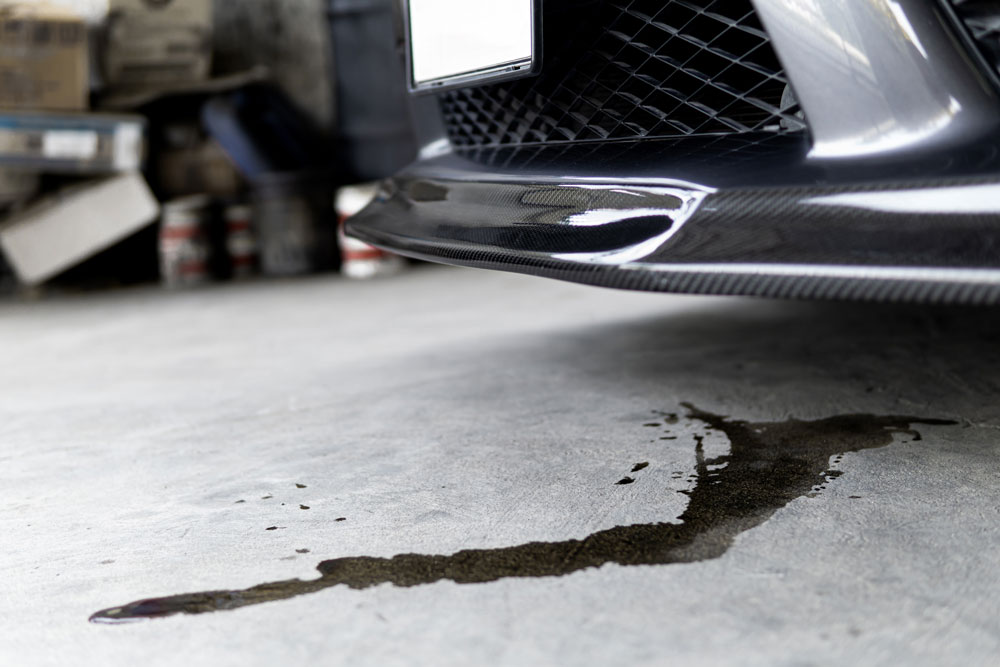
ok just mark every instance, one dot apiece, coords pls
pixel 982 19
pixel 626 69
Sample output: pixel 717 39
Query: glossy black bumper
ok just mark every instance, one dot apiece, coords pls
pixel 892 193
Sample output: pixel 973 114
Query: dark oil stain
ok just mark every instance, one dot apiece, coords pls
pixel 301 551
pixel 300 486
pixel 652 425
pixel 239 502
pixel 341 518
pixel 639 466
pixel 768 465
pixel 303 507
pixel 625 480
pixel 266 497
pixel 668 417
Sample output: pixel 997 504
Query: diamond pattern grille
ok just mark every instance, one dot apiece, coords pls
pixel 627 69
pixel 982 19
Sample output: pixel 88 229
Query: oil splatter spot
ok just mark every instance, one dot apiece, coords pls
pixel 625 480
pixel 301 551
pixel 266 497
pixel 300 486
pixel 652 425
pixel 342 518
pixel 303 507
pixel 239 502
pixel 768 466
pixel 640 466
pixel 669 417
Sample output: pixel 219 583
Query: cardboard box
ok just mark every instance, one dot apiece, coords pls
pixel 161 43
pixel 44 59
pixel 76 224
pixel 72 143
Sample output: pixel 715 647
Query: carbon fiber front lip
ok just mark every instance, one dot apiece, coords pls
pixel 929 242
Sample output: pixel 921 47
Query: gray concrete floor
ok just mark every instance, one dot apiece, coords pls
pixel 450 410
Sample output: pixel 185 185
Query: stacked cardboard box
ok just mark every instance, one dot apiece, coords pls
pixel 45 128
pixel 60 231
pixel 158 43
pixel 44 59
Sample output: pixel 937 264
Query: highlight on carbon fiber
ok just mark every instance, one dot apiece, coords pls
pixel 626 69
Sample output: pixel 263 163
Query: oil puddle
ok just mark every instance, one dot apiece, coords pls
pixel 768 465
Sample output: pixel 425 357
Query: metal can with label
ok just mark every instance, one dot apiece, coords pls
pixel 185 249
pixel 358 259
pixel 241 242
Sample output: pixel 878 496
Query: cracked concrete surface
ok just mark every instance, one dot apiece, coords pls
pixel 453 409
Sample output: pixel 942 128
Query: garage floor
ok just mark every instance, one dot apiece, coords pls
pixel 460 467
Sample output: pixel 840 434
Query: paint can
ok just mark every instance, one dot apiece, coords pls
pixel 184 245
pixel 360 260
pixel 241 242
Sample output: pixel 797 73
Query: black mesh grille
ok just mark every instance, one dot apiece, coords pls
pixel 982 19
pixel 625 69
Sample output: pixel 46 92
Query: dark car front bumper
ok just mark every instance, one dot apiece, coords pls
pixel 895 197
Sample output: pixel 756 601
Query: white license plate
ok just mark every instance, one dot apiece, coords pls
pixel 453 43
